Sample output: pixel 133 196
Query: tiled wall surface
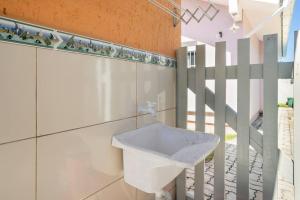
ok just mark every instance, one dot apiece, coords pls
pixel 59 111
pixel 77 90
pixel 17 89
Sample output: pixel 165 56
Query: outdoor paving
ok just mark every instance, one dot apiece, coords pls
pixel 285 188
pixel 230 175
pixel 286 131
pixel 285 143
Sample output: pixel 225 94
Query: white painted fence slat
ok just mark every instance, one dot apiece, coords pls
pixel 200 89
pixel 181 110
pixel 199 181
pixel 270 118
pixel 256 140
pixel 220 103
pixel 267 143
pixel 200 116
pixel 243 119
pixel 181 107
pixel 297 116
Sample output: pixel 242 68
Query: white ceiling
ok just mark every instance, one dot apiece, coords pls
pixel 220 2
pixel 225 2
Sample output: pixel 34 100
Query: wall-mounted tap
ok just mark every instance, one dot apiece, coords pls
pixel 148 108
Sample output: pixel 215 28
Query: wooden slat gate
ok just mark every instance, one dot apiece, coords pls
pixel 266 144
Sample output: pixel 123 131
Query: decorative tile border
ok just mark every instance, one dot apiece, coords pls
pixel 20 32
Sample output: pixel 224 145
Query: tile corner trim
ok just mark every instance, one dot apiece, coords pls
pixel 24 33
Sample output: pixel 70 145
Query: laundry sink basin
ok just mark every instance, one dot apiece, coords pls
pixel 154 155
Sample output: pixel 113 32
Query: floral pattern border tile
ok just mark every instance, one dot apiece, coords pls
pixel 20 32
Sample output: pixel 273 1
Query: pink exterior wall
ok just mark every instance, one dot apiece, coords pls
pixel 206 30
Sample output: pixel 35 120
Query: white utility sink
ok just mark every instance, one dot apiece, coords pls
pixel 154 155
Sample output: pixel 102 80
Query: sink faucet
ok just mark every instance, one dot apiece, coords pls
pixel 149 108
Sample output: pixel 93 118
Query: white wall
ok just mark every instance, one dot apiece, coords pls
pixel 256 86
pixel 285 89
pixel 231 87
pixel 59 111
pixel 206 31
pixel 210 61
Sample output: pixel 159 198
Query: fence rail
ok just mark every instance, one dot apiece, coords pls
pixel 266 144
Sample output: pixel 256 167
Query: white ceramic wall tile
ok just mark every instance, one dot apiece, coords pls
pixel 72 165
pixel 76 90
pixel 17 170
pixel 145 120
pixel 147 83
pixel 17 89
pixel 144 196
pixel 167 88
pixel 156 84
pixel 116 191
pixel 167 117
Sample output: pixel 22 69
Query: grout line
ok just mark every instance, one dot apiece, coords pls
pixel 36 152
pixel 39 136
pixel 19 140
pixel 136 94
pixel 136 194
pixel 106 186
pixel 82 127
pixel 134 116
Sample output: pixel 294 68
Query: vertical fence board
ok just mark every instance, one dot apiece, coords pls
pixel 181 110
pixel 181 107
pixel 200 116
pixel 220 103
pixel 199 181
pixel 270 136
pixel 296 149
pixel 243 119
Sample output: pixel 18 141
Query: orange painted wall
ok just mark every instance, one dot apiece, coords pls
pixel 134 23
